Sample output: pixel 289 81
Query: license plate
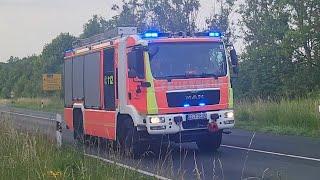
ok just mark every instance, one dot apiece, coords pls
pixel 196 116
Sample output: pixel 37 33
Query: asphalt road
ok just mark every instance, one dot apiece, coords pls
pixel 243 155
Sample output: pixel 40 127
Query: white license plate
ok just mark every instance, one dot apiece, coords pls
pixel 196 116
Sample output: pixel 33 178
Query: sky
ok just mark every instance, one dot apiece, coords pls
pixel 27 25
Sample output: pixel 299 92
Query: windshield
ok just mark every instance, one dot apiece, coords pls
pixel 187 60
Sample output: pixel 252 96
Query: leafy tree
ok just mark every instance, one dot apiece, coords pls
pixel 24 76
pixel 263 62
pixel 94 26
pixel 221 21
pixel 53 53
pixel 173 15
pixel 166 15
pixel 282 48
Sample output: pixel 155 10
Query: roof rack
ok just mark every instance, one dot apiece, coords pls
pixel 107 35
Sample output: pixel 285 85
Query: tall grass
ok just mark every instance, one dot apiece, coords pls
pixel 292 117
pixel 39 104
pixel 25 156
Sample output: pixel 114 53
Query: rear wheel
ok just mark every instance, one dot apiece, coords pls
pixel 78 133
pixel 210 142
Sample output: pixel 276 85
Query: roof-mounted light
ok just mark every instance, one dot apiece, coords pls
pixel 215 34
pixel 151 35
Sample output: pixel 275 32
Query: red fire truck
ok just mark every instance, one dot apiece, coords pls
pixel 135 89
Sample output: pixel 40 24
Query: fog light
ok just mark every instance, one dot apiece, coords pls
pixel 158 127
pixel 157 120
pixel 229 114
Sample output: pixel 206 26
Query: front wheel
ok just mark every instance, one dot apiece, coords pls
pixel 210 142
pixel 129 141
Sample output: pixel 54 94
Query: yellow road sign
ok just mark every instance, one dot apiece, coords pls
pixel 51 82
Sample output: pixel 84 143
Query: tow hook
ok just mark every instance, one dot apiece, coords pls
pixel 213 127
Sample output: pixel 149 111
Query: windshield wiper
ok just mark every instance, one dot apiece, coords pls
pixel 169 78
pixel 188 76
pixel 209 75
pixel 203 75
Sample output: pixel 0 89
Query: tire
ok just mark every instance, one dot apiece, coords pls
pixel 129 141
pixel 78 133
pixel 210 142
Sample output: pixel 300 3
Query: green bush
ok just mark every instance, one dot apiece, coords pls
pixel 298 117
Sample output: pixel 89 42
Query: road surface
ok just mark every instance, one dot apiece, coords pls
pixel 243 155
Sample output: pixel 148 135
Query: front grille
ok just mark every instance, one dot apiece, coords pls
pixel 194 124
pixel 193 98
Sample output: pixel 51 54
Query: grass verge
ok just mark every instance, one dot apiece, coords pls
pixel 38 104
pixel 25 156
pixel 288 117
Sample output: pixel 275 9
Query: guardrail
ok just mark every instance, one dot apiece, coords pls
pixel 50 126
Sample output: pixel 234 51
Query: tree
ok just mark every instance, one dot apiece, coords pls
pixel 282 48
pixel 304 40
pixel 262 67
pixel 221 21
pixel 164 15
pixel 94 26
pixel 173 15
pixel 53 53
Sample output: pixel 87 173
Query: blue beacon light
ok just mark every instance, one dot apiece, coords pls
pixel 186 105
pixel 151 35
pixel 215 34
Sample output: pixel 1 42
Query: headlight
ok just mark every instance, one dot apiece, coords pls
pixel 229 115
pixel 157 120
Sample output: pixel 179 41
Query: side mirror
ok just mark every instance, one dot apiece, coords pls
pixel 145 84
pixel 234 61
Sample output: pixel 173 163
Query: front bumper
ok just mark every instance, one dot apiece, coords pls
pixel 167 124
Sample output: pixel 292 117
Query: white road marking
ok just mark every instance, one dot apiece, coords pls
pixel 26 115
pixel 273 153
pixel 128 167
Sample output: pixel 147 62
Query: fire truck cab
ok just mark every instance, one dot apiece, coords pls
pixel 135 89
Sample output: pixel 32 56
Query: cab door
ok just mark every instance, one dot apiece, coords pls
pixel 109 80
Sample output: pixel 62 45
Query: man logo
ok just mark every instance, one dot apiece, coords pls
pixel 195 97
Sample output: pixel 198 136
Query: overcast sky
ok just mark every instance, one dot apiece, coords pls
pixel 27 25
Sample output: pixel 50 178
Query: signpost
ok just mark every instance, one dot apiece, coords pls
pixel 51 82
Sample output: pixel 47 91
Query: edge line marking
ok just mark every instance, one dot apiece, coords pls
pixel 273 153
pixel 127 167
pixel 19 114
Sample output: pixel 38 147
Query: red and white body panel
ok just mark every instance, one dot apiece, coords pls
pixel 152 101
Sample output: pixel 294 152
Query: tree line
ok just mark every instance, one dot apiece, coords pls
pixel 281 56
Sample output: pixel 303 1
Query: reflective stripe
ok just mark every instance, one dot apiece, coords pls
pixel 230 102
pixel 152 105
pixel 230 96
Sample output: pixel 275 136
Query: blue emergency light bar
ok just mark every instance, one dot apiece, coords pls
pixel 154 34
pixel 157 34
pixel 215 34
pixel 209 34
pixel 151 35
